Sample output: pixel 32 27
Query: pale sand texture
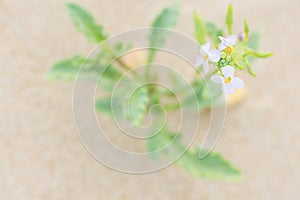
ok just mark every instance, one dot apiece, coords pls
pixel 41 157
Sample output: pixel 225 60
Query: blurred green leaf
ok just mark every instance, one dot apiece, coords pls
pixel 214 32
pixel 259 54
pixel 213 166
pixel 253 43
pixel 85 23
pixel 68 70
pixel 137 105
pixel 248 67
pixel 229 19
pixel 104 105
pixel 200 29
pixel 246 30
pixel 205 94
pixel 165 20
pixel 121 48
pixel 111 107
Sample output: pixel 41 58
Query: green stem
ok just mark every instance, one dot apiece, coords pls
pixel 108 50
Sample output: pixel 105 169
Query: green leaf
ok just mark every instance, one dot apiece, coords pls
pixel 229 19
pixel 137 105
pixel 259 54
pixel 104 105
pixel 213 166
pixel 111 107
pixel 206 93
pixel 85 23
pixel 200 29
pixel 214 32
pixel 253 43
pixel 68 70
pixel 157 142
pixel 246 30
pixel 165 20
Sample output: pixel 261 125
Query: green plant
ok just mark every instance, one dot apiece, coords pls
pixel 233 54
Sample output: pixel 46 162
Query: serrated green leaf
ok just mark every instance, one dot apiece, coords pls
pixel 200 29
pixel 137 105
pixel 229 19
pixel 85 23
pixel 165 20
pixel 68 70
pixel 214 32
pixel 213 166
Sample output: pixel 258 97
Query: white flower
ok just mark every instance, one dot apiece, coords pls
pixel 228 81
pixel 206 56
pixel 227 42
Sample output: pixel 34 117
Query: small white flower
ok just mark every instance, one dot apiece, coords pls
pixel 227 42
pixel 206 56
pixel 228 81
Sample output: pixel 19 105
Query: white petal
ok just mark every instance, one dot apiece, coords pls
pixel 227 89
pixel 237 83
pixel 228 71
pixel 200 61
pixel 222 46
pixel 222 38
pixel 214 55
pixel 217 79
pixel 205 66
pixel 231 40
pixel 204 49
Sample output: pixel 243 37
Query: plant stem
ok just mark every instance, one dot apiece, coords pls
pixel 108 50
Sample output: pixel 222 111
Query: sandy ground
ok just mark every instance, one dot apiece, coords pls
pixel 41 157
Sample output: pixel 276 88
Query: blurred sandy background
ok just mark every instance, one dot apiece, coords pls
pixel 41 156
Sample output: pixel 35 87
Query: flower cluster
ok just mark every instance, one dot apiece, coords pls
pixel 222 59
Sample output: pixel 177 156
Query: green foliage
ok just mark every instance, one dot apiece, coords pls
pixel 206 93
pixel 213 166
pixel 246 30
pixel 103 105
pixel 200 29
pixel 85 23
pixel 229 19
pixel 165 20
pixel 214 32
pixel 259 54
pixel 68 69
pixel 254 41
pixel 137 105
pixel 123 106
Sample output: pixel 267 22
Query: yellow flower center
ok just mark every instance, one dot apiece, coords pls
pixel 227 80
pixel 229 50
